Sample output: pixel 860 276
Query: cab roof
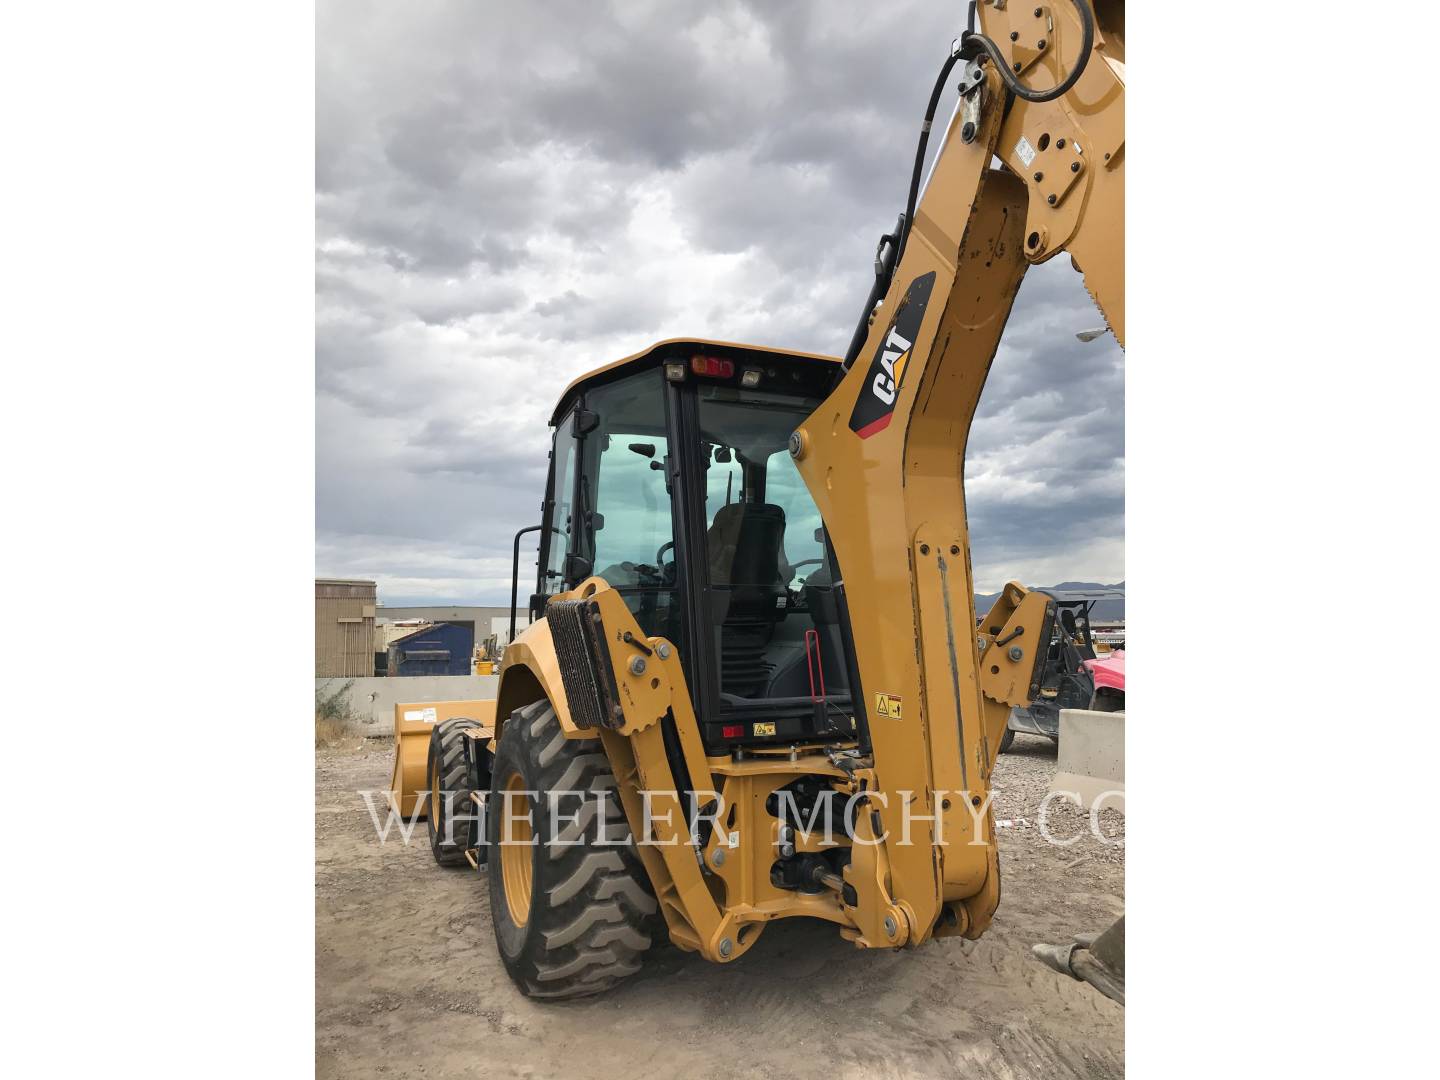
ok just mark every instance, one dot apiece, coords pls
pixel 1082 596
pixel 668 349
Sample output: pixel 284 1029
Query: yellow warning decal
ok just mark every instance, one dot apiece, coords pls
pixel 763 729
pixel 888 705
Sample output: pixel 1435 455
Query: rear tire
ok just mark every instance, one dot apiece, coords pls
pixel 445 776
pixel 1107 700
pixel 572 914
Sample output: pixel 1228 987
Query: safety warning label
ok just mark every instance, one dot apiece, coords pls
pixel 888 705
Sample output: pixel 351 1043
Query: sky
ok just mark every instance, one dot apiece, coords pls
pixel 511 194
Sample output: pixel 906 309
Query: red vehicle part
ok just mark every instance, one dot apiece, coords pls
pixel 1109 672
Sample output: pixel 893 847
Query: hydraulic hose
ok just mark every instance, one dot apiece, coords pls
pixel 1014 85
pixel 970 45
pixel 920 149
pixel 886 261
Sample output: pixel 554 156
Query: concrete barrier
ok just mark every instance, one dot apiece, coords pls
pixel 374 700
pixel 1092 757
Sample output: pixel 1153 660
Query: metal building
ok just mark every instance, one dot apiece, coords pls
pixel 479 620
pixel 344 628
pixel 442 649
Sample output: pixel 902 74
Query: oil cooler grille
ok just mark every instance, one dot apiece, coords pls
pixel 579 637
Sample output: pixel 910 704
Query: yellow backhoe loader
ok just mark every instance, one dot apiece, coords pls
pixel 754 687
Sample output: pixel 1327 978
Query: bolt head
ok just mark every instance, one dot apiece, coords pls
pixel 890 926
pixel 1039 176
pixel 1016 652
pixel 1074 166
pixel 1016 65
pixel 1040 44
pixel 1014 35
pixel 637 665
pixel 663 651
pixel 967 133
pixel 726 948
pixel 1050 199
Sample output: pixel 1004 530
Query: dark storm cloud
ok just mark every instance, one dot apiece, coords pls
pixel 509 195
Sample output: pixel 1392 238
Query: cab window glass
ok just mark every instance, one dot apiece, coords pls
pixel 623 500
pixel 634 509
pixel 559 519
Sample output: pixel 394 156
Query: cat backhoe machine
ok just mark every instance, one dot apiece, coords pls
pixel 754 687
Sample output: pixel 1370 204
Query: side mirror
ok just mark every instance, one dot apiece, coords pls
pixel 644 449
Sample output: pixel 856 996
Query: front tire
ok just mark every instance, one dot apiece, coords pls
pixel 1006 740
pixel 569 897
pixel 449 792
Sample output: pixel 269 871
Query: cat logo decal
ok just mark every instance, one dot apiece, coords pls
pixel 876 403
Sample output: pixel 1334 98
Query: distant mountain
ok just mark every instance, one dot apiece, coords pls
pixel 1104 611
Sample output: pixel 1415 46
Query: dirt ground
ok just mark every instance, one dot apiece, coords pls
pixel 408 982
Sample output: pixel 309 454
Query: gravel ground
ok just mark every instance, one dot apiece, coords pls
pixel 408 983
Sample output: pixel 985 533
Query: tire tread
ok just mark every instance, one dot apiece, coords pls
pixel 592 913
pixel 447 744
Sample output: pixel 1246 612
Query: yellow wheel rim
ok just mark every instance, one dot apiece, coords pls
pixel 516 835
pixel 435 798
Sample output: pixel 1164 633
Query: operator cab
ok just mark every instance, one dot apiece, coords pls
pixel 671 478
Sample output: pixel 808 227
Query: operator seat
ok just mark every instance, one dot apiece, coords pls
pixel 745 547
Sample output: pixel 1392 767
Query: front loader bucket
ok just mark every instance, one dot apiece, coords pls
pixel 413 724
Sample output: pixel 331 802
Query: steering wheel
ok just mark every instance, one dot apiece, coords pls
pixel 660 555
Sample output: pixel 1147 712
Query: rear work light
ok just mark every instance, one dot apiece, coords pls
pixel 675 370
pixel 732 731
pixel 712 367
